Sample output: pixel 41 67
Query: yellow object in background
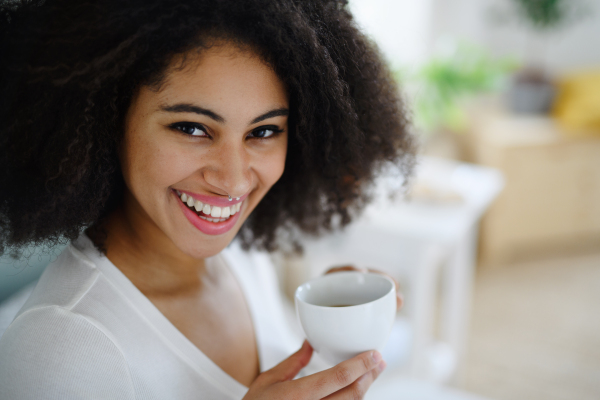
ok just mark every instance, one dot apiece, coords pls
pixel 577 104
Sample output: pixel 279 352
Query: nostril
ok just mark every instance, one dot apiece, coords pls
pixel 227 181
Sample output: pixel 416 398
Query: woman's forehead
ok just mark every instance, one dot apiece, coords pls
pixel 212 53
pixel 223 78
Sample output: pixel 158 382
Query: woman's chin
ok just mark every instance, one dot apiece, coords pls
pixel 197 244
pixel 204 249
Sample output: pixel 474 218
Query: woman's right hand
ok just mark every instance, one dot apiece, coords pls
pixel 347 380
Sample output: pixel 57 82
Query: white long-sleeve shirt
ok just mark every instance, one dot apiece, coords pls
pixel 87 332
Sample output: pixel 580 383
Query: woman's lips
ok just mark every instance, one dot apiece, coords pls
pixel 204 225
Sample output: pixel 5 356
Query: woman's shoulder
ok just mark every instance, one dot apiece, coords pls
pixel 47 349
pixel 64 282
pixel 46 353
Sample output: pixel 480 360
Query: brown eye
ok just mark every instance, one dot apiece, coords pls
pixel 265 132
pixel 190 128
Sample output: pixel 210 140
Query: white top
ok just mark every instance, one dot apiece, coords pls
pixel 87 332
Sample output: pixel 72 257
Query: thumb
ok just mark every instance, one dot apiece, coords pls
pixel 289 368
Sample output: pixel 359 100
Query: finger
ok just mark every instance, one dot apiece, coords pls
pixel 399 301
pixel 341 268
pixel 288 368
pixel 326 382
pixel 359 388
pixel 399 298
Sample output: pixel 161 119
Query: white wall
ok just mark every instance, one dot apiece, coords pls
pixel 401 28
pixel 408 32
pixel 574 47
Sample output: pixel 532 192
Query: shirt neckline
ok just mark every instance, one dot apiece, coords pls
pixel 163 328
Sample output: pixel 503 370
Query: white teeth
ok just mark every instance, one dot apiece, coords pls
pixel 217 214
pixel 235 208
pixel 225 212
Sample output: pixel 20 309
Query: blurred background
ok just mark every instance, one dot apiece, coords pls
pixel 496 241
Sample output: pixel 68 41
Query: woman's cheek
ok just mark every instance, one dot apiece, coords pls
pixel 161 164
pixel 277 160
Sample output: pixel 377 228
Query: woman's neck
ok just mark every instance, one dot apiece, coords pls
pixel 155 265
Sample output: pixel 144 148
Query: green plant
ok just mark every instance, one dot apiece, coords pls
pixel 442 83
pixel 545 14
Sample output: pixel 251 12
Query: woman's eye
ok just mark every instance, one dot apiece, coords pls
pixel 265 131
pixel 189 128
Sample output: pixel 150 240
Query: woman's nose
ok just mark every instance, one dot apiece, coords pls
pixel 229 169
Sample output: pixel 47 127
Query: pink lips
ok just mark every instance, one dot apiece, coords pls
pixel 210 228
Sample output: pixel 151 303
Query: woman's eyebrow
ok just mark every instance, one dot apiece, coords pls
pixel 273 113
pixel 190 108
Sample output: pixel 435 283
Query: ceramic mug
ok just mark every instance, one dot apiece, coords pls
pixel 346 313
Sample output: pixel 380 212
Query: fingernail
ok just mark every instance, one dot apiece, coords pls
pixel 376 356
pixel 381 366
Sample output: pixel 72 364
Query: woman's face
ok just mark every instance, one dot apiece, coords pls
pixel 217 127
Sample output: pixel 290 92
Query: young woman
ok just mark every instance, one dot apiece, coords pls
pixel 153 134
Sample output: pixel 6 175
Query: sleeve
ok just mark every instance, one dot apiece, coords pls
pixel 53 353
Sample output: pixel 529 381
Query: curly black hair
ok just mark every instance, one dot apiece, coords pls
pixel 69 69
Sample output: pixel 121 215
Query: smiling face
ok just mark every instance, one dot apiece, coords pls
pixel 217 127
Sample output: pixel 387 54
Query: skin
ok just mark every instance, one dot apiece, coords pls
pixel 151 241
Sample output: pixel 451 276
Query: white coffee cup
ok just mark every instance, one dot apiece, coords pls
pixel 346 313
